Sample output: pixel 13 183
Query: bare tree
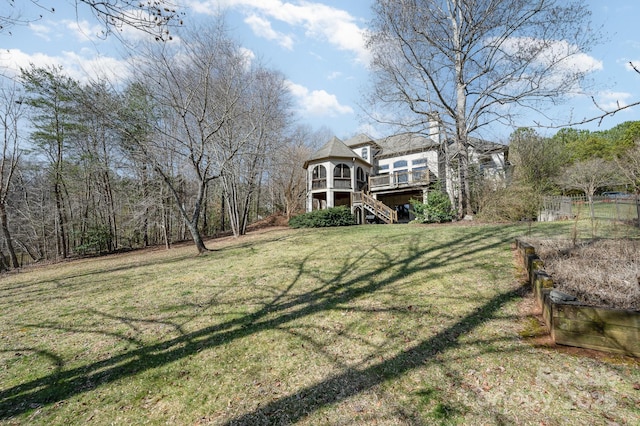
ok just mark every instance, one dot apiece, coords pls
pixel 193 91
pixel 287 177
pixel 470 63
pixel 256 134
pixel 629 167
pixel 154 17
pixel 11 113
pixel 588 176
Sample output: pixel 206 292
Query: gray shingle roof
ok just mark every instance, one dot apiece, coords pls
pixel 405 143
pixel 393 146
pixel 335 148
pixel 361 139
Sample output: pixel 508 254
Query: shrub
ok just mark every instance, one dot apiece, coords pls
pixel 334 216
pixel 437 208
pixel 513 203
pixel 95 240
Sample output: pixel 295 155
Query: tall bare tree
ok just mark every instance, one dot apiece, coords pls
pixel 194 89
pixel 11 114
pixel 256 134
pixel 287 178
pixel 470 63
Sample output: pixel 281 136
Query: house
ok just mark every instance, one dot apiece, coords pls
pixel 377 178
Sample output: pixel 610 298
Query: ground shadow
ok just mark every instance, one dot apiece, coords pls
pixel 332 292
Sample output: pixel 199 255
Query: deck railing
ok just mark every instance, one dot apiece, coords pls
pixel 396 179
pixel 319 184
pixel 340 183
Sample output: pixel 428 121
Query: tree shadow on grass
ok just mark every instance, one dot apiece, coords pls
pixel 353 381
pixel 343 286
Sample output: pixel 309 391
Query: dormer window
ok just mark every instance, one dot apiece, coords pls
pixel 365 153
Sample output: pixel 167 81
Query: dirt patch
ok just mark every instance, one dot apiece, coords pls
pixel 601 272
pixel 275 220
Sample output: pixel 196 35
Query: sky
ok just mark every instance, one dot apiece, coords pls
pixel 319 47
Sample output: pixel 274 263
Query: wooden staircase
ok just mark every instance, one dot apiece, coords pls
pixel 375 207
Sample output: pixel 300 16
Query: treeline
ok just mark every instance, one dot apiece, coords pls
pixel 571 161
pixel 202 140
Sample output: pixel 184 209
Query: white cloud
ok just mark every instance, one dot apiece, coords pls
pixel 248 56
pixel 318 102
pixel 318 20
pixel 75 65
pixel 334 75
pixel 560 54
pixel 262 28
pixel 83 30
pixel 40 30
pixel 609 100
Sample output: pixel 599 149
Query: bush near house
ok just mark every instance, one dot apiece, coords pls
pixel 334 216
pixel 437 209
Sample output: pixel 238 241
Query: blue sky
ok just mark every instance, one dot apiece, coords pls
pixel 318 45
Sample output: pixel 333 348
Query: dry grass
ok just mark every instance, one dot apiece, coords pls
pixel 386 325
pixel 598 272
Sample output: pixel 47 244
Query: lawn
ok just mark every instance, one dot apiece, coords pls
pixel 380 324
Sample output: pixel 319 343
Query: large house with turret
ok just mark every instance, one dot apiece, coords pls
pixel 377 178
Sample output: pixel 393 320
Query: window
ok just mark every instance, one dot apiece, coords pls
pixel 420 174
pixel 342 171
pixel 383 168
pixel 342 177
pixel 361 178
pixel 419 161
pixel 400 169
pixel 319 172
pixel 319 178
pixel 365 153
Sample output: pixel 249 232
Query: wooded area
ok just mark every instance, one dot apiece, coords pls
pixel 203 141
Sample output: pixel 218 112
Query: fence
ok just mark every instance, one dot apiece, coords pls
pixel 622 208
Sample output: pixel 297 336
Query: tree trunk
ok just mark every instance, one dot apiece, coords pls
pixel 222 212
pixel 7 237
pixel 190 222
pixel 231 192
pixel 166 225
pixel 36 257
pixel 205 212
pixel 61 229
pixel 113 226
pixel 197 237
pixel 145 195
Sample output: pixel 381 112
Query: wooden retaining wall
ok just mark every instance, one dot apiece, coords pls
pixel 574 324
